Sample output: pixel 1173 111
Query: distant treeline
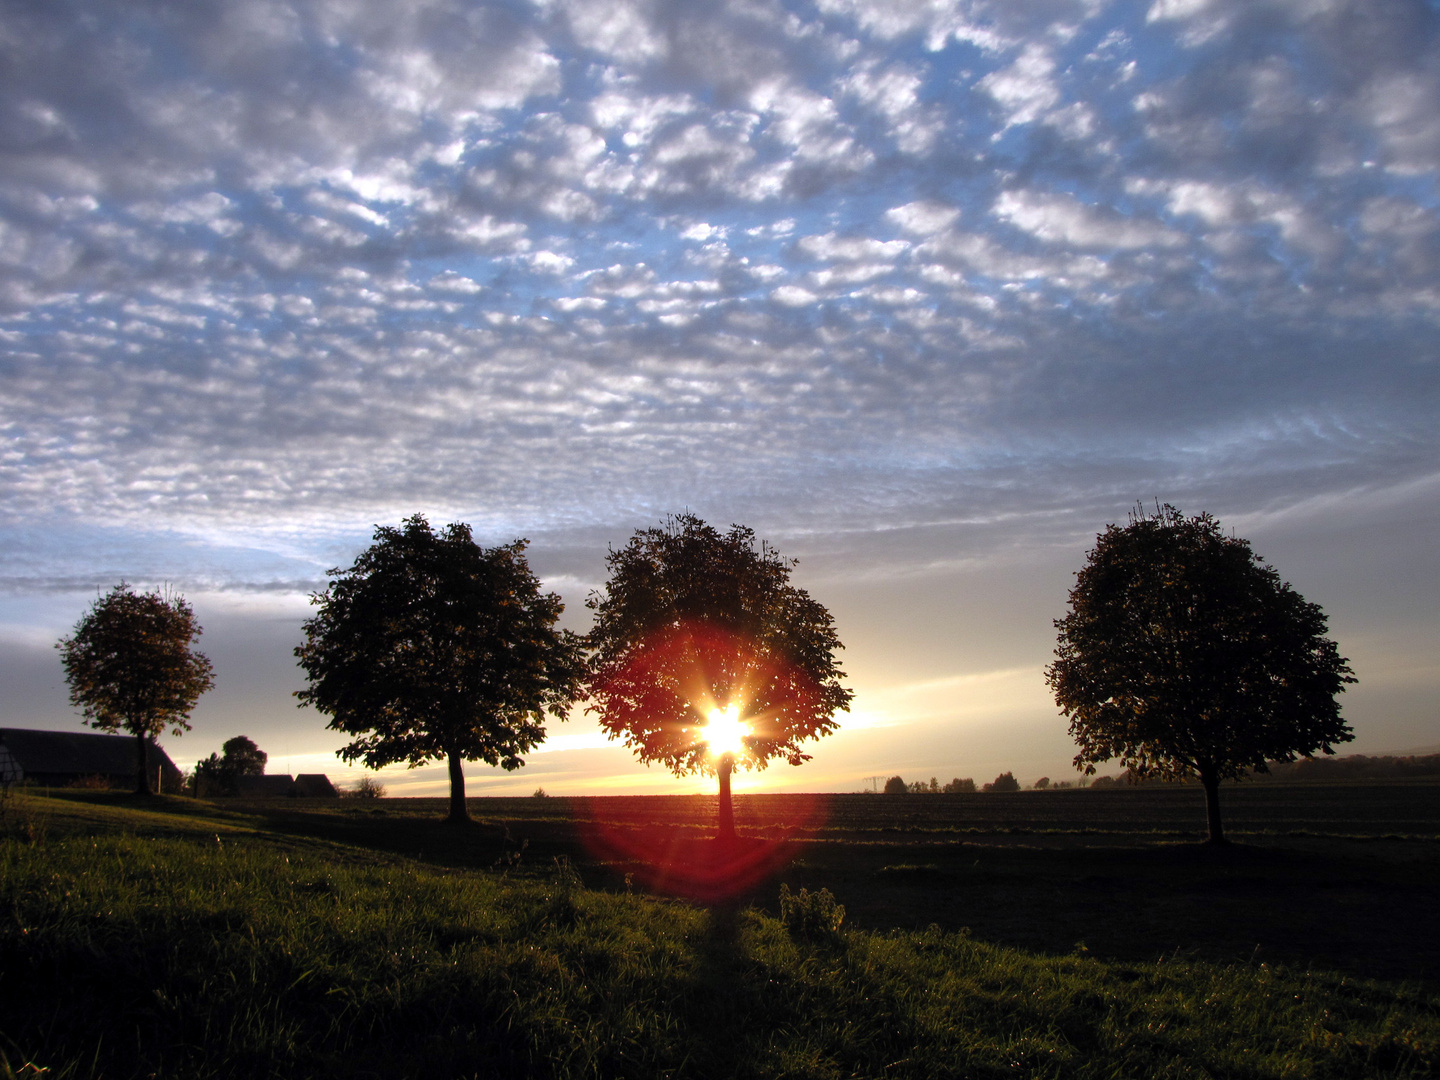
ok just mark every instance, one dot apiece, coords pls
pixel 897 785
pixel 1349 767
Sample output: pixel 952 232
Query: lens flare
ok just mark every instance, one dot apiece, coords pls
pixel 725 732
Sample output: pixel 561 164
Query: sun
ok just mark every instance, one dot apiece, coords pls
pixel 725 732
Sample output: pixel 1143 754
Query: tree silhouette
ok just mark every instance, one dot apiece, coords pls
pixel 431 646
pixel 706 658
pixel 1186 655
pixel 130 665
pixel 1004 782
pixel 240 757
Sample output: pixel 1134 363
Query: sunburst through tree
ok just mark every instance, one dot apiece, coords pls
pixel 707 659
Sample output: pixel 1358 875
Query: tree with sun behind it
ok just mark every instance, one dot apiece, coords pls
pixel 706 658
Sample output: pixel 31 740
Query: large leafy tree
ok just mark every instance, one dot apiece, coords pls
pixel 1184 655
pixel 706 658
pixel 432 647
pixel 131 666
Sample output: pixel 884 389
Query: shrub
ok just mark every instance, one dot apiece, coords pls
pixel 811 916
pixel 960 787
pixel 1004 782
pixel 90 783
pixel 896 786
pixel 367 787
pixel 540 794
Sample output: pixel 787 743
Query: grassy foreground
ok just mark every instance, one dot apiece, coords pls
pixel 184 942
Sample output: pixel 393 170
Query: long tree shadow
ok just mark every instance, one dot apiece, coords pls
pixel 478 844
pixel 1363 908
pixel 719 1011
pixel 1347 911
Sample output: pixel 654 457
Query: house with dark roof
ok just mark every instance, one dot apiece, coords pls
pixel 271 786
pixel 61 758
pixel 315 785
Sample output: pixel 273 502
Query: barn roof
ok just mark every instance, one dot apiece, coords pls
pixel 264 786
pixel 315 786
pixel 81 753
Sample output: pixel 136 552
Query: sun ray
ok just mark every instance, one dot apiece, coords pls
pixel 724 732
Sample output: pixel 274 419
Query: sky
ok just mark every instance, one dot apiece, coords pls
pixel 926 292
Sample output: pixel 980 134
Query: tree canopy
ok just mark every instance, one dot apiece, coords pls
pixel 239 757
pixel 131 666
pixel 433 647
pixel 1185 655
pixel 1004 782
pixel 699 632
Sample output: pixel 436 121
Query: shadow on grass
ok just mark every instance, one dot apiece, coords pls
pixel 1341 909
pixel 720 1010
pixel 1359 907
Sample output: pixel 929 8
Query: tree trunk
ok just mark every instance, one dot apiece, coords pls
pixel 1210 779
pixel 727 809
pixel 142 777
pixel 458 814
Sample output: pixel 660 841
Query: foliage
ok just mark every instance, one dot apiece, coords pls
pixel 431 646
pixel 131 666
pixel 1185 655
pixel 219 772
pixel 1355 767
pixel 1042 784
pixel 367 787
pixel 90 783
pixel 693 621
pixel 244 955
pixel 241 757
pixel 896 786
pixel 811 916
pixel 958 786
pixel 1004 782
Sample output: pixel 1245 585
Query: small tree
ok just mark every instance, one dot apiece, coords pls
pixel 896 785
pixel 1004 782
pixel 707 658
pixel 958 786
pixel 1186 655
pixel 367 787
pixel 131 666
pixel 431 646
pixel 1042 784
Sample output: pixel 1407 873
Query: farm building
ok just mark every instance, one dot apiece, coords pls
pixel 62 758
pixel 304 786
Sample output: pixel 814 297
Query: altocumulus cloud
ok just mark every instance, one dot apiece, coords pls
pixel 273 271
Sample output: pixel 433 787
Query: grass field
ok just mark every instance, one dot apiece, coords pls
pixel 1047 934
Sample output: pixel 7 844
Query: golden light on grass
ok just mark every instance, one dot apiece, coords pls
pixel 725 732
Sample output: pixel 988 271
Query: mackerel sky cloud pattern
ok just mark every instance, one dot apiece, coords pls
pixel 272 264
